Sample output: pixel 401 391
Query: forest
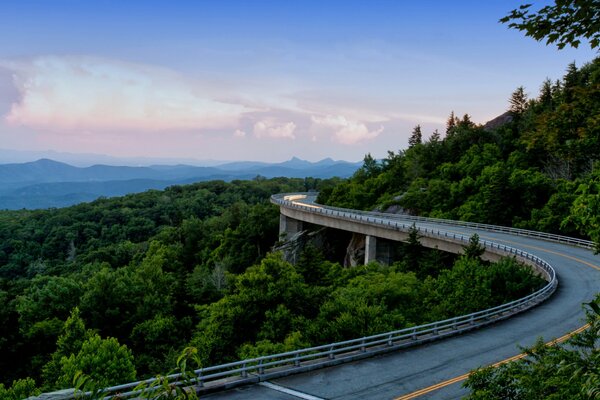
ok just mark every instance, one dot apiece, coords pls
pixel 116 288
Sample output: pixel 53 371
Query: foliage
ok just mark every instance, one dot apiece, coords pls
pixel 162 388
pixel 69 343
pixel 129 265
pixel 568 371
pixel 566 22
pixel 108 362
pixel 585 210
pixel 473 249
pixel 20 389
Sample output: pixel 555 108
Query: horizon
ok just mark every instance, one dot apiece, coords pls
pixel 265 81
pixel 82 160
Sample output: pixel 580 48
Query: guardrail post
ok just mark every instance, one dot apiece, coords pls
pixel 389 342
pixel 435 329
pixel 244 371
pixel 472 320
pixel 363 348
pixel 199 380
pixel 261 369
pixel 297 360
pixel 331 356
pixel 414 334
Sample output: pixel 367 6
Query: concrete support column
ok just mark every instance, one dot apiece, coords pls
pixel 370 249
pixel 384 252
pixel 289 226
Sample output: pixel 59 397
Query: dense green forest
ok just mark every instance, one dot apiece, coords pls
pixel 118 287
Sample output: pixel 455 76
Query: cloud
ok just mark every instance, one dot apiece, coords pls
pixel 270 129
pixel 239 133
pixel 80 92
pixel 346 131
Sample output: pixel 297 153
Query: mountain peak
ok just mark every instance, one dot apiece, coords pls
pixel 46 161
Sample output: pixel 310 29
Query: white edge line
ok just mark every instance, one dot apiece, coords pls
pixel 291 392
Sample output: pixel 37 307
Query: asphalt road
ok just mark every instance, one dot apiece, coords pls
pixel 403 374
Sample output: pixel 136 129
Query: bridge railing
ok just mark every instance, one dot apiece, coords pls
pixel 302 360
pixel 309 197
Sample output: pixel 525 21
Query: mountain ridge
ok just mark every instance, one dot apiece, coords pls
pixel 49 183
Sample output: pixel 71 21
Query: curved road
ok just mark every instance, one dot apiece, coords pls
pixel 434 371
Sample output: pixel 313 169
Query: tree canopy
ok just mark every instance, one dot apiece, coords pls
pixel 564 23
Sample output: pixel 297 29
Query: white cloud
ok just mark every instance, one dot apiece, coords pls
pixel 269 128
pixel 239 133
pixel 80 92
pixel 346 131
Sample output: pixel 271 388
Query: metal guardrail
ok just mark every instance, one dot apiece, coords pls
pixel 282 364
pixel 309 198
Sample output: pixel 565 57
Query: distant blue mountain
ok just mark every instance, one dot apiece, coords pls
pixel 46 183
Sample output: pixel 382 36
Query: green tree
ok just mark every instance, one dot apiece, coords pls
pixel 451 123
pixel 154 343
pixel 585 211
pixel 518 101
pixel 47 298
pixel 20 389
pixel 104 360
pixel 474 249
pixel 566 22
pixel 69 342
pixel 416 137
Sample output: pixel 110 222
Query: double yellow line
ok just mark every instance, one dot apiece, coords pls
pixel 440 385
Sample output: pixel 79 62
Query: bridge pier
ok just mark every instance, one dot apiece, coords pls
pixel 288 226
pixel 377 249
pixel 370 249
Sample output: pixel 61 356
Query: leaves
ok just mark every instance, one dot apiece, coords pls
pixel 562 23
pixel 565 371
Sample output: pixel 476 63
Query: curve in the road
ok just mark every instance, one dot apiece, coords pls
pixel 435 370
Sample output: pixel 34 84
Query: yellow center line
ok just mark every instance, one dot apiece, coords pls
pixel 561 339
pixel 535 248
pixel 448 382
pixel 547 251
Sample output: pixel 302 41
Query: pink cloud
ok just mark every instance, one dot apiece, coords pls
pixel 270 129
pixel 346 131
pixel 93 93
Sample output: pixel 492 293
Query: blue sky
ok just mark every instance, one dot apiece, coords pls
pixel 256 80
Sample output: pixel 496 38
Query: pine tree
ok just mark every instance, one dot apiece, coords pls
pixel 518 101
pixel 435 137
pixel 465 122
pixel 416 137
pixel 451 123
pixel 545 97
pixel 473 249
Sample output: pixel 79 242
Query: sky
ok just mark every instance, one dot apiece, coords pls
pixel 257 80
